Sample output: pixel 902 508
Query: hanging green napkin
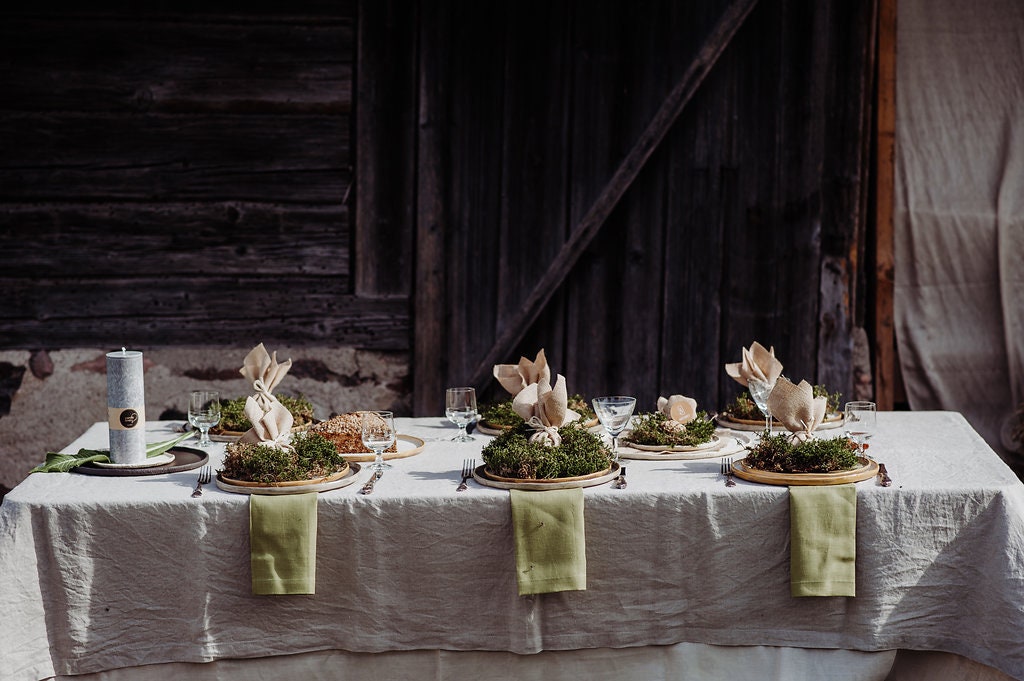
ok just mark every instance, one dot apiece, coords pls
pixel 550 542
pixel 823 540
pixel 282 539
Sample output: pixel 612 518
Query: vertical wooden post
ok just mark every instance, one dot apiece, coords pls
pixel 885 338
pixel 429 294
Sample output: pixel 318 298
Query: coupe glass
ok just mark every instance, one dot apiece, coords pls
pixel 460 408
pixel 378 435
pixel 759 391
pixel 614 413
pixel 859 420
pixel 204 413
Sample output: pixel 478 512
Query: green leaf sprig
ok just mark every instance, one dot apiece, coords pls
pixel 57 462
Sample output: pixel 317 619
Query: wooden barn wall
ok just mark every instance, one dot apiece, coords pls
pixel 745 224
pixel 177 173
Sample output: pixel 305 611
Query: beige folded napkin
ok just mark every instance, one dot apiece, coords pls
pixel 757 363
pixel 263 371
pixel 515 377
pixel 545 409
pixel 796 406
pixel 823 540
pixel 678 408
pixel 550 540
pixel 271 427
pixel 282 543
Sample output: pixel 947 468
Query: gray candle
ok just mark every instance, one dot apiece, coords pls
pixel 126 406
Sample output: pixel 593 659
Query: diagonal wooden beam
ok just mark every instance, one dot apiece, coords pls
pixel 588 227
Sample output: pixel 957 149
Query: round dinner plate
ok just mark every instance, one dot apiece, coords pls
pixel 350 476
pixel 184 459
pixel 867 469
pixel 727 421
pixel 727 446
pixel 481 475
pixel 407 445
pixel 714 443
pixel 151 461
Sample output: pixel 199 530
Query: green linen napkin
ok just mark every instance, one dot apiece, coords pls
pixel 823 540
pixel 550 542
pixel 282 543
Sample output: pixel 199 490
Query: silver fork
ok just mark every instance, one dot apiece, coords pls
pixel 205 475
pixel 467 472
pixel 727 472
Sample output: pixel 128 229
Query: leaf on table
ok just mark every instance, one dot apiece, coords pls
pixel 57 462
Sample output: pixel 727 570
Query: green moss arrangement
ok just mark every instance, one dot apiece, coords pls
pixel 232 413
pixel 650 429
pixel 743 407
pixel 779 454
pixel 314 457
pixel 501 414
pixel 512 455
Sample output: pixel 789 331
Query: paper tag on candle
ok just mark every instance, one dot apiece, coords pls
pixel 126 418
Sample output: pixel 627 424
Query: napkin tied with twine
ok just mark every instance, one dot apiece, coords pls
pixel 797 407
pixel 282 543
pixel 545 409
pixel 264 372
pixel 757 363
pixel 515 377
pixel 678 408
pixel 823 540
pixel 272 427
pixel 550 540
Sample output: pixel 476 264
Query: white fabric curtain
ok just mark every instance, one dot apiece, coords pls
pixel 959 211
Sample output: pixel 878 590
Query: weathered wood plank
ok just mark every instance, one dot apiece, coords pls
pixel 533 174
pixel 385 149
pixel 78 312
pixel 884 275
pixel 155 63
pixel 627 171
pixel 71 157
pixel 428 341
pixel 473 151
pixel 177 239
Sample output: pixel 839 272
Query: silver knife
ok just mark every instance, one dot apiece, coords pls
pixel 883 476
pixel 368 487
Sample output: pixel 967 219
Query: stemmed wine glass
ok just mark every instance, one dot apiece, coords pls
pixel 614 413
pixel 204 413
pixel 859 420
pixel 460 408
pixel 759 392
pixel 378 435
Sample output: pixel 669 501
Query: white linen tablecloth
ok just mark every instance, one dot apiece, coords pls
pixel 101 573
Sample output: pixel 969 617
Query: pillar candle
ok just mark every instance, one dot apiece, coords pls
pixel 126 406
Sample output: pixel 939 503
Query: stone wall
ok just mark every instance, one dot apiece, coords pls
pixel 47 399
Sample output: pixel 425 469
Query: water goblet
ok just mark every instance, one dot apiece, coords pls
pixel 859 420
pixel 759 392
pixel 204 413
pixel 460 408
pixel 614 413
pixel 378 430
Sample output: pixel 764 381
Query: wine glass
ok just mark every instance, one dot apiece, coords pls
pixel 204 413
pixel 460 408
pixel 614 413
pixel 859 420
pixel 378 435
pixel 759 392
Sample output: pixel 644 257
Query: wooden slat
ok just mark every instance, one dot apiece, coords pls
pixel 884 336
pixel 72 157
pixel 129 239
pixel 627 171
pixel 385 162
pixel 197 63
pixel 166 311
pixel 429 291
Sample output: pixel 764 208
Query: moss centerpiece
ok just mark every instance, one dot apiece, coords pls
pixel 234 420
pixel 780 454
pixel 312 457
pixel 655 429
pixel 512 455
pixel 501 416
pixel 743 407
